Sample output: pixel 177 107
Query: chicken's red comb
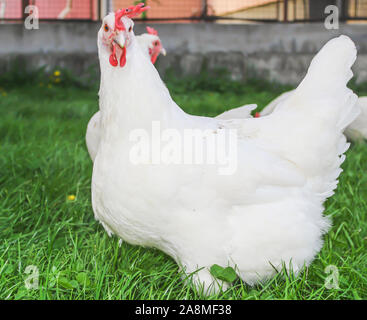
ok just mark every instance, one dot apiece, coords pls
pixel 129 12
pixel 152 31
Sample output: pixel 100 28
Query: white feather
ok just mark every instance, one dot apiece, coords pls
pixel 238 113
pixel 357 130
pixel 92 136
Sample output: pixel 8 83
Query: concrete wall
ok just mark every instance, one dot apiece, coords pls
pixel 279 52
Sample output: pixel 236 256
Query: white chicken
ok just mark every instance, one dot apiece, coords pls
pixel 267 213
pixel 151 45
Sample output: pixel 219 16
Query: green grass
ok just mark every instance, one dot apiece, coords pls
pixel 43 159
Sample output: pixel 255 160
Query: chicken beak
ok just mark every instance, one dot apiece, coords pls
pixel 120 40
pixel 163 51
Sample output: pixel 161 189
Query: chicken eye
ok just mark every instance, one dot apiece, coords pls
pixel 156 43
pixel 130 28
pixel 106 28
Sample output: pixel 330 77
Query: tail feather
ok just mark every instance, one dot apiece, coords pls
pixel 308 126
pixel 357 130
pixel 331 67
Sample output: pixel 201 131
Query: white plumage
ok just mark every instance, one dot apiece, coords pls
pixel 238 113
pixel 92 136
pixel 268 212
pixel 356 131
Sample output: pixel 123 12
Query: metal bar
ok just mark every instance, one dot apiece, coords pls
pixel 91 8
pixel 357 18
pixel 2 8
pixel 104 8
pixel 99 16
pixel 25 3
pixel 294 9
pixel 285 10
pixel 355 8
pixel 204 10
pixel 341 8
pixel 322 20
pixel 306 14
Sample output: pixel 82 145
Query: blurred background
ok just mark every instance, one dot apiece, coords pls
pixel 271 39
pixel 224 11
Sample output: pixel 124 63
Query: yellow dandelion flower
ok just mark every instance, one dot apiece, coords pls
pixel 57 80
pixel 4 94
pixel 57 73
pixel 71 197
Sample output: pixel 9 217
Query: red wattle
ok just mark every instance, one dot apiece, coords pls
pixel 153 58
pixel 123 57
pixel 113 58
pixel 257 115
